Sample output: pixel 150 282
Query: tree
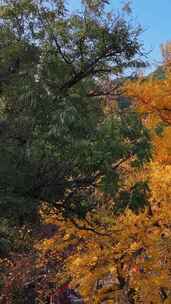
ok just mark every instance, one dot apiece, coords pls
pixel 57 142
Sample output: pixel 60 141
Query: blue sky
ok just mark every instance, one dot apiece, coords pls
pixel 155 18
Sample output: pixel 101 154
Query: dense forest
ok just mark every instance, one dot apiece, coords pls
pixel 85 157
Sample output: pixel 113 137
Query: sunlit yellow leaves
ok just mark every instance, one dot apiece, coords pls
pixel 152 98
pixel 134 246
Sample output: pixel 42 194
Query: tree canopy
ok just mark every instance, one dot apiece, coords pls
pixel 56 139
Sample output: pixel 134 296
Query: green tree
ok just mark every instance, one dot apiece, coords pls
pixel 56 69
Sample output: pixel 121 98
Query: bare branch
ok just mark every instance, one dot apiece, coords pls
pixel 80 227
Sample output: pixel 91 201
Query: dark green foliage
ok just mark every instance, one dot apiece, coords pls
pixel 139 196
pixel 123 201
pixel 135 199
pixel 123 102
pixel 56 141
pixel 159 129
pixel 5 247
pixel 78 207
pixel 13 237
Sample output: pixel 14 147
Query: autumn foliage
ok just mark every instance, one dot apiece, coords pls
pixel 89 209
pixel 126 258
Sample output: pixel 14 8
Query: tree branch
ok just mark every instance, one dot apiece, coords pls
pixel 80 227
